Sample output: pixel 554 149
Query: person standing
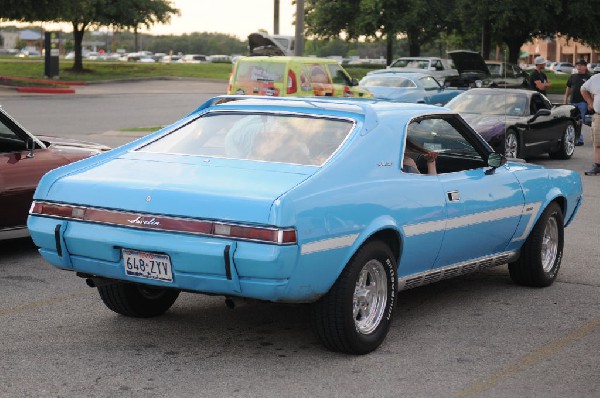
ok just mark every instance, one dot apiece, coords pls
pixel 573 93
pixel 590 91
pixel 537 79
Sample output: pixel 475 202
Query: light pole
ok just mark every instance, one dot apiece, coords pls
pixel 299 47
pixel 276 17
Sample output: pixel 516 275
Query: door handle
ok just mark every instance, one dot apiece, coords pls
pixel 453 196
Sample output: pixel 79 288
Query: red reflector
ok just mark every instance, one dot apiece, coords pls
pixel 288 236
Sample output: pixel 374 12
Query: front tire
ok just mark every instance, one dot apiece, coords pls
pixel 567 145
pixel 138 301
pixel 512 147
pixel 541 254
pixel 355 315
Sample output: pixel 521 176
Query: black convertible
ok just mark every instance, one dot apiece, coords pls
pixel 519 123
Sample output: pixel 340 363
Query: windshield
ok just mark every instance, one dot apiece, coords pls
pixel 411 63
pixel 386 81
pixel 264 137
pixel 494 69
pixel 489 103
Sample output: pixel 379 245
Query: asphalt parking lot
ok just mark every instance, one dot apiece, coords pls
pixel 474 336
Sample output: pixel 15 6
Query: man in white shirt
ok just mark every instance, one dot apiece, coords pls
pixel 590 91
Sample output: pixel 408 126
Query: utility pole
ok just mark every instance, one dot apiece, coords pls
pixel 276 17
pixel 299 47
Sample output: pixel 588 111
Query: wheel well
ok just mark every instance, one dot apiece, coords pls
pixel 561 202
pixel 390 238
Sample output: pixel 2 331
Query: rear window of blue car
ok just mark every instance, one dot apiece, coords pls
pixel 262 137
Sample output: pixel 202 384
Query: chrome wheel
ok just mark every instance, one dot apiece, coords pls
pixel 569 140
pixel 511 146
pixel 370 297
pixel 550 245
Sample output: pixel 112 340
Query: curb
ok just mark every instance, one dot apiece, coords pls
pixel 45 90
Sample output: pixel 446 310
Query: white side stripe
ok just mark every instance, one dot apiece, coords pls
pixel 328 244
pixel 463 221
pixel 531 210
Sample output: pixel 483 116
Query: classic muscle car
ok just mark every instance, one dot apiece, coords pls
pixel 520 123
pixel 24 159
pixel 301 200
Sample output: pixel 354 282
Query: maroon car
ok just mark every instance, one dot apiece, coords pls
pixel 24 159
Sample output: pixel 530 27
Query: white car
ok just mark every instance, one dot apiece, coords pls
pixel 439 68
pixel 563 67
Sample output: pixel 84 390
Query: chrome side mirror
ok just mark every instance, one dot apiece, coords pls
pixel 494 161
pixel 30 146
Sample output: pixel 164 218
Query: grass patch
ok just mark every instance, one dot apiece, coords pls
pixel 103 70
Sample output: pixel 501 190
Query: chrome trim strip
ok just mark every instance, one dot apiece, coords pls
pixel 152 222
pixel 438 274
pixel 328 244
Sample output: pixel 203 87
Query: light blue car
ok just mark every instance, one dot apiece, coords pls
pixel 302 200
pixel 400 86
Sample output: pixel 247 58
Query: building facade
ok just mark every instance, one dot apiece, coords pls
pixel 559 49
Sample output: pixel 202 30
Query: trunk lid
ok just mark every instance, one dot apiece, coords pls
pixel 195 187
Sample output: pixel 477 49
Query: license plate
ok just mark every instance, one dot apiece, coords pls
pixel 147 265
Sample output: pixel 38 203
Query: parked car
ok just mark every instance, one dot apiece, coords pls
pixel 392 85
pixel 24 158
pixel 263 44
pixel 507 75
pixel 519 123
pixel 193 59
pixel 563 67
pixel 301 200
pixel 292 76
pixel 472 70
pixel 438 67
pixel 592 68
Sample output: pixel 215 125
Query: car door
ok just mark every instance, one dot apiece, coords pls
pixel 20 172
pixel 543 128
pixel 483 208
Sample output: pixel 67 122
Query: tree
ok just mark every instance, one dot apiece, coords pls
pixel 133 14
pixel 85 13
pixel 419 20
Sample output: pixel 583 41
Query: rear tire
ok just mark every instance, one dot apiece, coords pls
pixel 567 145
pixel 541 254
pixel 138 301
pixel 355 315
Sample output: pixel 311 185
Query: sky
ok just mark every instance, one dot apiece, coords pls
pixel 236 17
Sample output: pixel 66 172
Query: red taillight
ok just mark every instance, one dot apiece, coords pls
pixel 54 210
pixel 348 92
pixel 280 236
pixel 292 86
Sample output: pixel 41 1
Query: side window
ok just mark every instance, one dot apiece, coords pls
pixel 458 147
pixel 509 71
pixel 338 75
pixel 538 102
pixel 438 65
